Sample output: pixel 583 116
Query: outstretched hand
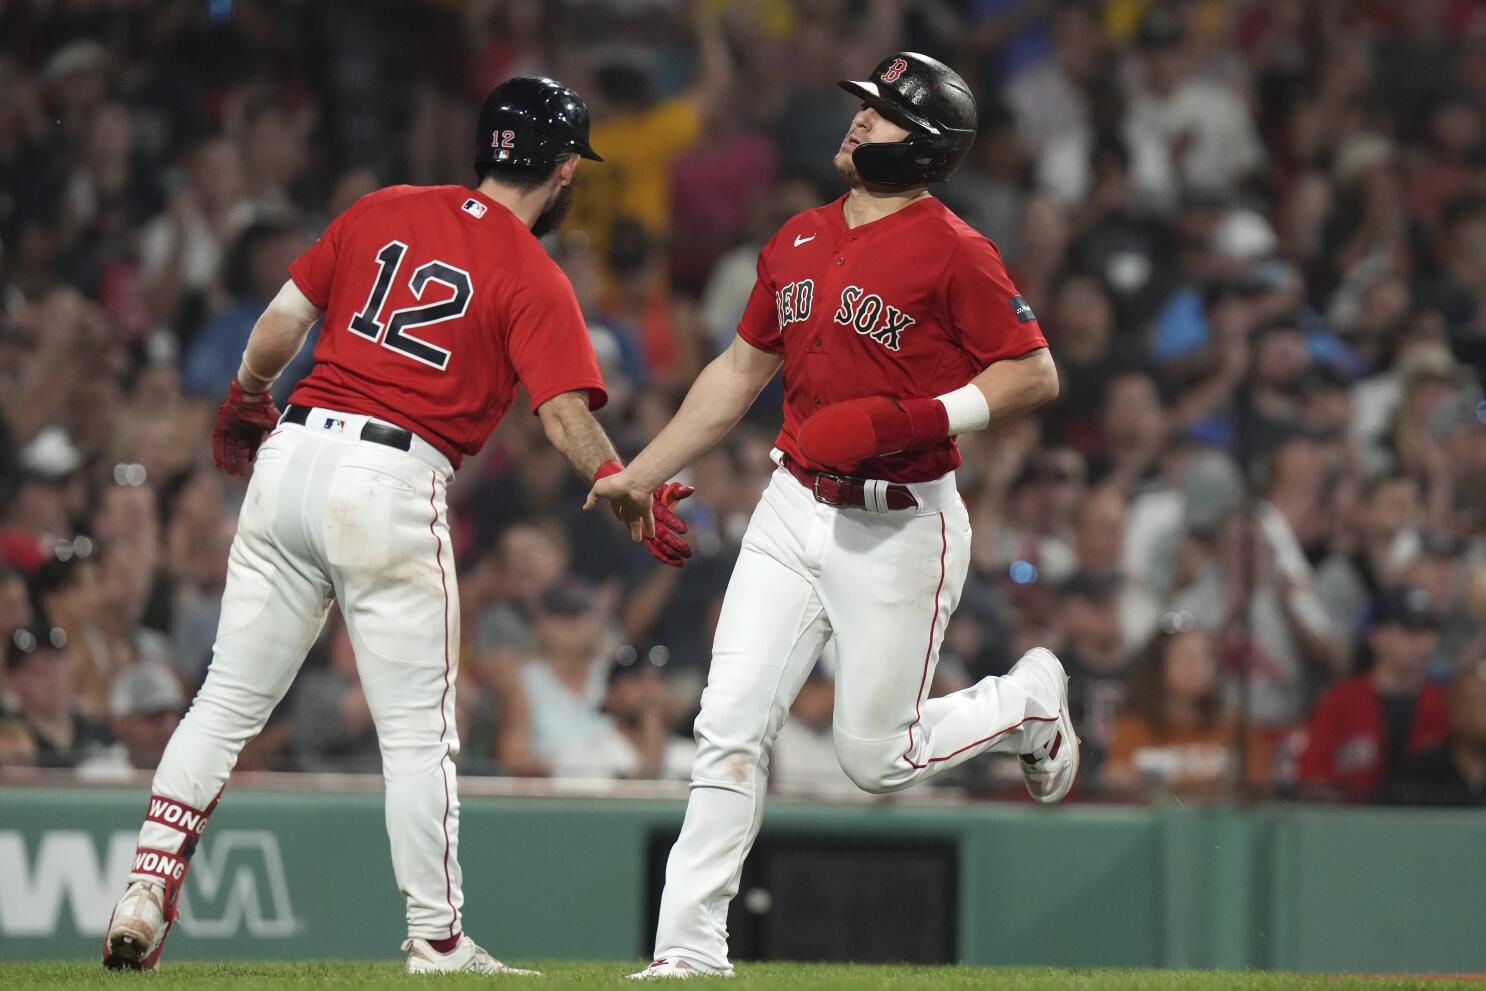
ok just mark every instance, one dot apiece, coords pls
pixel 649 514
pixel 631 505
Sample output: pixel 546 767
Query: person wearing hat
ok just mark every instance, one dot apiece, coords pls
pixel 147 705
pixel 1365 727
pixel 38 674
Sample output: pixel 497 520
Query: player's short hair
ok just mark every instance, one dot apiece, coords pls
pixel 522 178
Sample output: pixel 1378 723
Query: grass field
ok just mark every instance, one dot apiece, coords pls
pixel 332 974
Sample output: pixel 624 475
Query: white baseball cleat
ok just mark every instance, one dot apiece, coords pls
pixel 466 957
pixel 676 969
pixel 1051 769
pixel 137 928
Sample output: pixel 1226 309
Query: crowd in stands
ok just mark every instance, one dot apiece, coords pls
pixel 1254 232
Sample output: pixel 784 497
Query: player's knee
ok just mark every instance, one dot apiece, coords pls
pixel 730 751
pixel 875 766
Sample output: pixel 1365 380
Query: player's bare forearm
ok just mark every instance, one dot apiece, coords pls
pixel 714 404
pixel 571 428
pixel 1019 385
pixel 276 339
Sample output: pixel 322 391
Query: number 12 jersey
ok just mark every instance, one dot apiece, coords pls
pixel 438 302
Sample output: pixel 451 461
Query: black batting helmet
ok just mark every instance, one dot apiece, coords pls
pixel 929 100
pixel 532 121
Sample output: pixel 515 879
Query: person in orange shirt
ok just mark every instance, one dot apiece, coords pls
pixel 1176 733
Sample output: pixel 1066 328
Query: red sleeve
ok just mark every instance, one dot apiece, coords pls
pixel 991 319
pixel 313 271
pixel 547 338
pixel 760 323
pixel 1318 759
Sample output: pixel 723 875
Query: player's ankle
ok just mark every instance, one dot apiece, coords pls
pixel 445 945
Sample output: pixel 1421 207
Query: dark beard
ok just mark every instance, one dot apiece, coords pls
pixel 552 217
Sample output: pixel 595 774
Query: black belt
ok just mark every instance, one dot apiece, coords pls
pixel 376 433
pixel 840 490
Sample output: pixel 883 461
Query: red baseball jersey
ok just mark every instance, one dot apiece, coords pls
pixel 915 304
pixel 438 302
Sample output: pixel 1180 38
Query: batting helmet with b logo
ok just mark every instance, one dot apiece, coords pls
pixel 929 100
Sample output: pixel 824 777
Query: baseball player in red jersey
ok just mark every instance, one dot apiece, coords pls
pixel 897 328
pixel 437 302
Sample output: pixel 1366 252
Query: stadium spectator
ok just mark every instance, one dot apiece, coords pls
pixel 182 248
pixel 1253 234
pixel 40 677
pixel 641 134
pixel 256 267
pixel 1176 734
pixel 1095 658
pixel 804 756
pixel 638 738
pixel 1364 728
pixel 147 704
pixel 567 679
pixel 1376 540
pixel 1454 772
pixel 331 724
pixel 67 593
pixel 15 603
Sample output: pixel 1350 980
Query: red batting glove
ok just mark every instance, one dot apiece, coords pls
pixel 845 433
pixel 668 546
pixel 242 422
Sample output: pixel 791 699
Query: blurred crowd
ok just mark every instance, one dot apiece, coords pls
pixel 1254 231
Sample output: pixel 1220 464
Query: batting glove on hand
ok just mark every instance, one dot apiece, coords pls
pixel 667 545
pixel 243 420
pixel 843 434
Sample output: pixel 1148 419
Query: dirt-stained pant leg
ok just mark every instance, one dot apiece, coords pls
pixel 329 514
pixel 273 608
pixel 770 633
pixel 889 584
pixel 387 539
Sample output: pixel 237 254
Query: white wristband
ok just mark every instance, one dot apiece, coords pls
pixel 967 408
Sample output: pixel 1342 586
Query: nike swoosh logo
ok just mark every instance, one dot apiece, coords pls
pixel 801 240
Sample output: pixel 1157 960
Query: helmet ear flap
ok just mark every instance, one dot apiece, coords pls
pixel 918 160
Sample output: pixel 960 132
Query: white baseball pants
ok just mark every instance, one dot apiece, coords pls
pixel 330 516
pixel 882 587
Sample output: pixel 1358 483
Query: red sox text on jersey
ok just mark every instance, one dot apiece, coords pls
pixel 914 304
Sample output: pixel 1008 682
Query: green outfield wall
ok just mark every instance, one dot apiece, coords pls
pixel 284 875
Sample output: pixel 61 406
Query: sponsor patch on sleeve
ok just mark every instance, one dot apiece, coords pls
pixel 1022 309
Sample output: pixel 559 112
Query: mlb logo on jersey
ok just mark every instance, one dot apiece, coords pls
pixel 474 208
pixel 334 425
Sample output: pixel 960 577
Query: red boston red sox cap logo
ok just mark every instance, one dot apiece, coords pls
pixel 895 70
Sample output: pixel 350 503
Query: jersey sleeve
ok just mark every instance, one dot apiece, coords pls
pixel 760 323
pixel 314 270
pixel 547 339
pixel 989 317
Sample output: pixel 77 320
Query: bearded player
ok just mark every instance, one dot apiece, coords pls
pixel 897 329
pixel 437 302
